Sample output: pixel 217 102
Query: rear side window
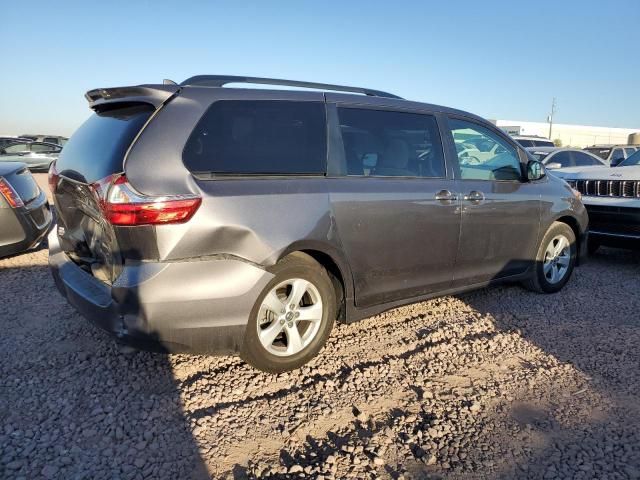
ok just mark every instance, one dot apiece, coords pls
pixel 584 160
pixel 391 144
pixel 562 158
pixel 236 137
pixel 17 148
pixel 97 148
pixel 44 148
pixel 526 143
pixel 617 154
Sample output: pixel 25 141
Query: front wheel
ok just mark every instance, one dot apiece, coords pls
pixel 292 317
pixel 555 260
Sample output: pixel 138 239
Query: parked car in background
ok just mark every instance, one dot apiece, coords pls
pixel 7 140
pixel 533 141
pixel 612 198
pixel 272 213
pixel 56 139
pixel 612 154
pixel 557 157
pixel 25 217
pixel 38 156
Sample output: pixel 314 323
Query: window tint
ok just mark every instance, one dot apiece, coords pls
pixel 526 143
pixel 483 154
pixel 97 148
pixel 563 158
pixel 50 139
pixel 259 137
pixel 391 144
pixel 584 160
pixel 629 151
pixel 542 143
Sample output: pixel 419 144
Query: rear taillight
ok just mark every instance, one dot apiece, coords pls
pixel 123 205
pixel 8 192
pixel 53 177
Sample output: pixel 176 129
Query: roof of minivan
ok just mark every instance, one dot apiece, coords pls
pixel 350 98
pixel 159 93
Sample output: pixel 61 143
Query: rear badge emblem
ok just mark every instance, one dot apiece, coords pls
pixel 61 231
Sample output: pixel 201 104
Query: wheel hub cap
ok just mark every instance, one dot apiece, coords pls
pixel 289 317
pixel 557 258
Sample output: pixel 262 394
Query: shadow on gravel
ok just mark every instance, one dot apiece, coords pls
pixel 72 405
pixel 592 324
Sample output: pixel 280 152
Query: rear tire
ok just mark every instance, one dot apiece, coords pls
pixel 555 260
pixel 284 332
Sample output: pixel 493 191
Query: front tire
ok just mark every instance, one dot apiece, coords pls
pixel 555 260
pixel 292 317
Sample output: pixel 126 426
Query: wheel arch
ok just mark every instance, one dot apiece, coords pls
pixel 573 223
pixel 334 262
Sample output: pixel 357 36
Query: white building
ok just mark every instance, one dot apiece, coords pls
pixel 570 135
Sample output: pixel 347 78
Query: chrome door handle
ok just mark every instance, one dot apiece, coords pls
pixel 446 197
pixel 474 197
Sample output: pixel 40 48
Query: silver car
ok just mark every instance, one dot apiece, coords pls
pixel 38 156
pixel 205 219
pixel 554 158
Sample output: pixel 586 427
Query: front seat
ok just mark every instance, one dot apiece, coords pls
pixel 395 160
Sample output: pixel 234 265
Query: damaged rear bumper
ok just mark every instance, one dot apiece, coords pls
pixel 199 306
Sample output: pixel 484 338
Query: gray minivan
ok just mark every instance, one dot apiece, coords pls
pixel 197 218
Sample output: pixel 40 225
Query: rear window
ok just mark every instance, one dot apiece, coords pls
pixel 526 143
pixel 603 153
pixel 268 137
pixel 539 155
pixel 97 148
pixel 542 143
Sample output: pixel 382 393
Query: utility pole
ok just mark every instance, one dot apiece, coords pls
pixel 550 117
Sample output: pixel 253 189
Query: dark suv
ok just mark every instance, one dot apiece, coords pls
pixel 216 220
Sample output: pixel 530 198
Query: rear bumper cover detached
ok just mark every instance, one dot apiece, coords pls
pixel 195 306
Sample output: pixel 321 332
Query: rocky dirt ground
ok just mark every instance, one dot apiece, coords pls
pixel 500 383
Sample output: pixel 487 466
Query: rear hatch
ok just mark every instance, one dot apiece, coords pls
pixel 87 164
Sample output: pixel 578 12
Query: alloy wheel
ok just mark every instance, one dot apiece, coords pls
pixel 557 258
pixel 289 317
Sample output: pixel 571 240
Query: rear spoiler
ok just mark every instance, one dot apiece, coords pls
pixel 155 95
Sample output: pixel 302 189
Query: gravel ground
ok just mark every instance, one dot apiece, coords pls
pixel 500 383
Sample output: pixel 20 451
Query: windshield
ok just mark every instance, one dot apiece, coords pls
pixel 632 160
pixel 603 153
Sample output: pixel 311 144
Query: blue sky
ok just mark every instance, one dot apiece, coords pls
pixel 497 59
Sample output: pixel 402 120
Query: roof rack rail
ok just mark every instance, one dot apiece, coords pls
pixel 221 80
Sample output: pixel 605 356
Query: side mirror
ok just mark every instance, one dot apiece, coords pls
pixel 553 166
pixel 535 170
